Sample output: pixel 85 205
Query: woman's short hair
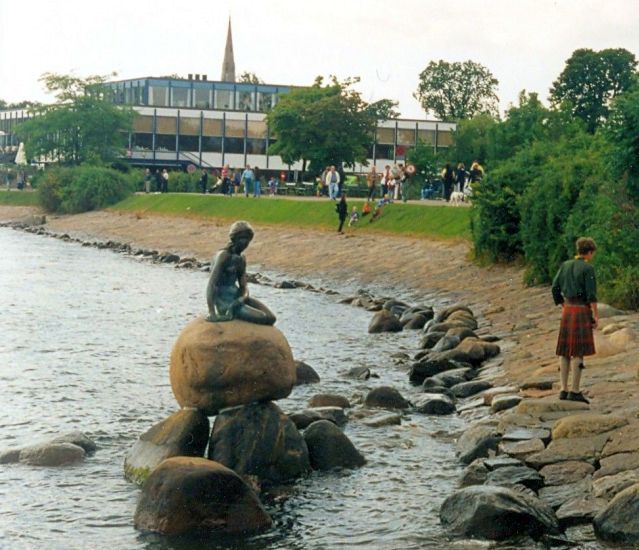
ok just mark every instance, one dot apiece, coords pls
pixel 241 228
pixel 585 245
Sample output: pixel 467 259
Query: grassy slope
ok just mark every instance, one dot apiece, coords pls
pixel 441 222
pixel 19 198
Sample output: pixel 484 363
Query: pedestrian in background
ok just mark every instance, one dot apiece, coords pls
pixel 342 211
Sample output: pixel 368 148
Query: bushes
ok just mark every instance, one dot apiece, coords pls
pixel 183 182
pixel 83 188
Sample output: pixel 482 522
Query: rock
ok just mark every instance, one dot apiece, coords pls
pixel 51 454
pixel 563 473
pixel 430 339
pixel 11 456
pixel 466 389
pixel 501 462
pixel 537 407
pixel 303 419
pixel 416 311
pixel 619 521
pixel 452 377
pixel 77 438
pixel 496 513
pixel 329 400
pixel 360 373
pixel 431 365
pixel 586 425
pixel 476 441
pixel 614 464
pixel 505 402
pixel 414 321
pixel 185 495
pixel 329 447
pixel 184 433
pixel 521 434
pixel 607 487
pixel 384 321
pixel 446 342
pixel 391 303
pixel 473 351
pixel 443 314
pixel 461 333
pixel 491 393
pixel 434 403
pixel 623 338
pixel 445 326
pixel 585 449
pixel 219 365
pixel 511 475
pixel 259 440
pixel 556 495
pixel 386 397
pixel 625 440
pixel 473 404
pixel 605 311
pixel 521 449
pixel 536 384
pixel 475 474
pixel 612 327
pixel 381 420
pixel 579 510
pixel 305 374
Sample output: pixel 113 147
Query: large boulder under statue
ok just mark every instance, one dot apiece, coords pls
pixel 219 365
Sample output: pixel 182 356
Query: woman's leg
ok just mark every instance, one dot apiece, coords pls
pixel 254 311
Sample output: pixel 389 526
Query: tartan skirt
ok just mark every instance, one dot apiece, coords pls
pixel 575 332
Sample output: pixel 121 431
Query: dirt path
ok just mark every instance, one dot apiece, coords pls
pixel 526 315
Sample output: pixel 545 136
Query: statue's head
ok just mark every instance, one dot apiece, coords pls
pixel 241 230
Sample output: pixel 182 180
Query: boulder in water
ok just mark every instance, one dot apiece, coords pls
pixel 329 447
pixel 305 374
pixel 384 321
pixel 386 397
pixel 52 454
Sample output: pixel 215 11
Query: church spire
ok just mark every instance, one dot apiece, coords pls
pixel 228 66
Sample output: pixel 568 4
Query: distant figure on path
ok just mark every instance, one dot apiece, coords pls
pixel 147 180
pixel 342 211
pixel 575 288
pixel 460 177
pixel 204 181
pixel 448 178
pixel 247 177
pixel 371 182
pixel 165 181
pixel 227 292
pixel 332 181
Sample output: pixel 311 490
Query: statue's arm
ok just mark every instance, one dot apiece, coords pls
pixel 242 279
pixel 217 267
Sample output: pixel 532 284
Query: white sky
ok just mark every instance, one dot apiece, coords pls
pixel 387 43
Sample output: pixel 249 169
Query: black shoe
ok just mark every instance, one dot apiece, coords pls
pixel 563 395
pixel 577 396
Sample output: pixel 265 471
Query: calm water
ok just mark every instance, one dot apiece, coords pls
pixel 86 336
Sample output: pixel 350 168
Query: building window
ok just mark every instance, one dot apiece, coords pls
pixel 444 138
pixel 386 136
pixel 165 133
pixel 142 142
pixel 245 100
pixel 143 124
pixel 189 134
pixel 223 99
pixel 212 135
pixel 234 145
pixel 427 136
pixel 256 146
pixel 202 99
pixel 159 96
pixel 265 101
pixel 406 136
pixel 256 129
pixel 180 97
pixel 211 144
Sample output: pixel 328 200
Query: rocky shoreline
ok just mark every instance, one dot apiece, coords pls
pixel 562 463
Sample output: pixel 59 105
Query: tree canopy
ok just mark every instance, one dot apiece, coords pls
pixel 591 80
pixel 325 124
pixel 82 126
pixel 457 91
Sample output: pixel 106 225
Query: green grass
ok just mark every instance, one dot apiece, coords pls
pixel 441 222
pixel 19 198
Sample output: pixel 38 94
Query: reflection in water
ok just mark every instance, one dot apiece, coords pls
pixel 86 336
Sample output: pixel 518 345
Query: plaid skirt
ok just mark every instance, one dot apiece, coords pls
pixel 575 332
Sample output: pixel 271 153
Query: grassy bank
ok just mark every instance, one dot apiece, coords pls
pixel 19 198
pixel 441 222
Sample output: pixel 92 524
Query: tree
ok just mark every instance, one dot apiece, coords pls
pixel 82 126
pixel 457 91
pixel 325 125
pixel 591 80
pixel 248 77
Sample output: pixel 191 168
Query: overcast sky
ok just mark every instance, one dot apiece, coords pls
pixel 387 43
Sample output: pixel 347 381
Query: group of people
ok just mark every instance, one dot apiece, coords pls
pixel 157 181
pixel 460 179
pixel 230 182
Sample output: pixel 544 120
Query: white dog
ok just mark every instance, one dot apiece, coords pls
pixel 456 198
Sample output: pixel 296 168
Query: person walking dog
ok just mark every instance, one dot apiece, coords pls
pixel 575 288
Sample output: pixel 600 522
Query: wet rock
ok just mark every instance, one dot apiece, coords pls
pixel 443 314
pixel 260 441
pixel 452 377
pixel 219 365
pixel 496 513
pixel 382 420
pixel 51 454
pixel 624 440
pixel 497 462
pixel 521 434
pixel 608 486
pixel 563 473
pixel 9 457
pixel 512 475
pixel 445 326
pixel 187 495
pixel 412 320
pixel 384 321
pixel 446 342
pixel 492 338
pixel 476 442
pixel 184 433
pixel 504 402
pixel 411 313
pixel 493 392
pixel 521 449
pixel 393 303
pixel 619 521
pixel 476 473
pixel 461 333
pixel 473 351
pixel 432 365
pixel 77 438
pixel 585 425
pixel 303 419
pixel 168 258
pixel 386 397
pixel 329 447
pixel 556 495
pixel 329 400
pixel 305 374
pixel 585 449
pixel 466 389
pixel 579 510
pixel 430 339
pixel 434 403
pixel 614 464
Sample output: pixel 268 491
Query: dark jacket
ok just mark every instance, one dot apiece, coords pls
pixel 342 209
pixel 576 281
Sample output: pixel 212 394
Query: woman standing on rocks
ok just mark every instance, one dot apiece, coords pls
pixel 575 288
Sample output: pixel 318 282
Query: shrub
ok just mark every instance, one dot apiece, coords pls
pixel 82 188
pixel 183 182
